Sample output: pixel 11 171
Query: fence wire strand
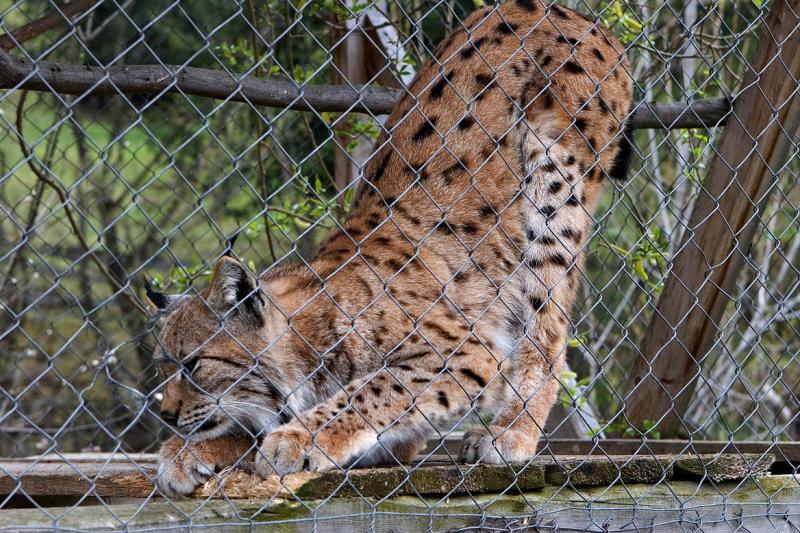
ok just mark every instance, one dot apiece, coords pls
pixel 143 142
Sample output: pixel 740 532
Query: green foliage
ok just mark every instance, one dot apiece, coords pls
pixel 622 21
pixel 573 393
pixel 647 257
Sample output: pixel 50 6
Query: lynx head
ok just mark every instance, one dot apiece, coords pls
pixel 216 375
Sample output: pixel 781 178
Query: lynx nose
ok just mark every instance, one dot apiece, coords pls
pixel 170 417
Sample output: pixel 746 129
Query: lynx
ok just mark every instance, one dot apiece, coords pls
pixel 447 293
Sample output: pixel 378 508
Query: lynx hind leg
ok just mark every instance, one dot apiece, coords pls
pixel 514 434
pixel 184 466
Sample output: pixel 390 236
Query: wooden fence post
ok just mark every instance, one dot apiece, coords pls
pixel 752 150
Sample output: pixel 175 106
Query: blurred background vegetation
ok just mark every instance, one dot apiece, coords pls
pixel 158 184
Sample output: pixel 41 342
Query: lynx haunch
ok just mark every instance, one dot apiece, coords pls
pixel 450 289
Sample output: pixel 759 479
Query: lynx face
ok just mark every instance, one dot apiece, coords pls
pixel 214 383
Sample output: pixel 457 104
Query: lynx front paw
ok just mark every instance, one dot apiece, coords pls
pixel 181 469
pixel 498 446
pixel 288 450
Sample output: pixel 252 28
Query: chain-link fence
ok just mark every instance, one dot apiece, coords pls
pixel 188 146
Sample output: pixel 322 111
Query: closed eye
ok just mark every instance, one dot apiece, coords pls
pixel 190 364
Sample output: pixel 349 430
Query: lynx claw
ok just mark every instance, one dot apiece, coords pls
pixel 180 475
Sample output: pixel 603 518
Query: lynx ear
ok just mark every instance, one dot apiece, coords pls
pixel 234 286
pixel 158 301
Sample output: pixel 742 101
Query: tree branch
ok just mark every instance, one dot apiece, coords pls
pixel 37 27
pixel 143 79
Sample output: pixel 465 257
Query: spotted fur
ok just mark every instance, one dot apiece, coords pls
pixel 449 289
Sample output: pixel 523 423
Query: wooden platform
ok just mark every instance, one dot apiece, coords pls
pixel 112 491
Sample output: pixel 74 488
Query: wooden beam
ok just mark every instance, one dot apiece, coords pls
pixel 766 504
pixel 127 478
pixel 81 80
pixel 753 149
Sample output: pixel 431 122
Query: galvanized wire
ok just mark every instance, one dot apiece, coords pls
pixel 99 191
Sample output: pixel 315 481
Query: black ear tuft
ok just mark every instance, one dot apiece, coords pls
pixel 623 161
pixel 231 243
pixel 158 299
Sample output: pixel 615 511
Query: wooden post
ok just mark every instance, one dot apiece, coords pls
pixel 752 150
pixel 363 53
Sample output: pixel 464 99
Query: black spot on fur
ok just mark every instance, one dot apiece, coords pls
pixel 507 28
pixel 569 233
pixel 527 5
pixel 570 160
pixel 469 228
pixel 580 123
pixel 483 80
pixel 568 40
pixel 557 260
pixel 623 160
pixel 444 227
pixel 555 187
pixel 572 201
pixel 550 166
pixel 394 264
pixel 559 12
pixel 472 46
pixel 438 88
pixel 440 330
pixel 598 54
pixel 537 303
pixel 477 378
pixel 381 168
pixel 466 122
pixel 545 61
pixel 397 388
pixel 573 67
pixel 425 130
pixel 442 399
pixel 486 211
pixel 548 211
pixel 535 264
pixel 602 104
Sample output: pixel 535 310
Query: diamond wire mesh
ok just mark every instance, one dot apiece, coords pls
pixel 156 184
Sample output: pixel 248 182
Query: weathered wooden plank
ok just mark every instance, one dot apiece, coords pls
pixel 607 471
pixel 136 480
pixel 766 504
pixel 757 142
pixel 725 467
pixel 783 451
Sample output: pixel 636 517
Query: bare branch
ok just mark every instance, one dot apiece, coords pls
pixel 143 79
pixel 37 27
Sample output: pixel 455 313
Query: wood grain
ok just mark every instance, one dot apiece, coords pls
pixel 754 147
